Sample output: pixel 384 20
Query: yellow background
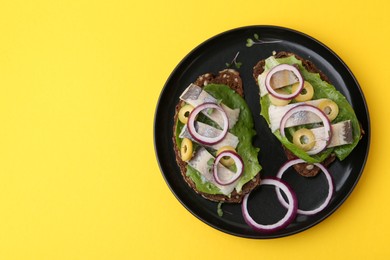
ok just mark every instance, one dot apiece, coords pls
pixel 79 83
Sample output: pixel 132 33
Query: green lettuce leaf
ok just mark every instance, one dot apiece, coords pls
pixel 322 89
pixel 243 129
pixel 201 183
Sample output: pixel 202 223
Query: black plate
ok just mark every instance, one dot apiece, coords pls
pixel 211 56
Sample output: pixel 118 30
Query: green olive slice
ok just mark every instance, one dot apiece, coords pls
pixel 277 101
pixel 330 108
pixel 186 149
pixel 226 161
pixel 304 139
pixel 184 112
pixel 306 94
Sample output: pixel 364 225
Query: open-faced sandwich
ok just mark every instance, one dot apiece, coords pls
pixel 213 131
pixel 312 120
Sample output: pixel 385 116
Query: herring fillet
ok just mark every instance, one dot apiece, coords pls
pixel 200 162
pixel 209 131
pixel 341 134
pixel 270 62
pixel 285 78
pixel 261 83
pixel 195 96
pixel 276 114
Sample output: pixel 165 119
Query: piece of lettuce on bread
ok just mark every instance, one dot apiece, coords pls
pixel 323 90
pixel 227 88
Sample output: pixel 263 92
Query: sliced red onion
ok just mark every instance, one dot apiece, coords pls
pixel 204 139
pixel 282 67
pixel 292 207
pixel 239 166
pixel 320 114
pixel 328 178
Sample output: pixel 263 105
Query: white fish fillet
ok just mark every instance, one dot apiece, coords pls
pixel 276 114
pixel 209 131
pixel 272 62
pixel 200 163
pixel 195 96
pixel 261 82
pixel 341 134
pixel 279 80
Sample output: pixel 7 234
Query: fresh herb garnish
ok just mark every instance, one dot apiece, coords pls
pixel 234 62
pixel 250 42
pixel 210 164
pixel 210 111
pixel 219 209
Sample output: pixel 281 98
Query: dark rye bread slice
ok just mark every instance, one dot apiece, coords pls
pixel 305 169
pixel 232 79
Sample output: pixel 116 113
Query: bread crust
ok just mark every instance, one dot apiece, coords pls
pixel 304 169
pixel 232 79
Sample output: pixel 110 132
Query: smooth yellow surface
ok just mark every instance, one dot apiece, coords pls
pixel 79 83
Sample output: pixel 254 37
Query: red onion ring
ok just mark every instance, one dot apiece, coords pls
pixel 320 114
pixel 203 139
pixel 328 178
pixel 239 165
pixel 278 68
pixel 292 207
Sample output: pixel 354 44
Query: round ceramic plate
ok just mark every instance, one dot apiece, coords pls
pixel 212 56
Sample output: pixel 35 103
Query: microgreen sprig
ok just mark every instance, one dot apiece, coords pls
pixel 210 164
pixel 234 62
pixel 250 42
